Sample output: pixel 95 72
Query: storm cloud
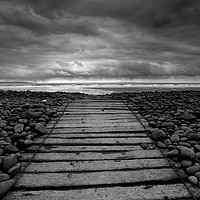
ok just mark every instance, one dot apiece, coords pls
pixel 99 39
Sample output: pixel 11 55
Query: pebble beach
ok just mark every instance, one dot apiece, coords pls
pixel 173 118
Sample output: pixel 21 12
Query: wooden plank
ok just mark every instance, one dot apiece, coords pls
pixel 92 156
pixel 100 108
pixel 100 112
pixel 97 116
pixel 80 148
pixel 106 124
pixel 96 165
pixel 147 192
pixel 98 129
pixel 93 121
pixel 136 140
pixel 94 178
pixel 97 135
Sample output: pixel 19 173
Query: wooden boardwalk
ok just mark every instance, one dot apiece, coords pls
pixel 94 153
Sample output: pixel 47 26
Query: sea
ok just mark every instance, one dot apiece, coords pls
pixel 98 88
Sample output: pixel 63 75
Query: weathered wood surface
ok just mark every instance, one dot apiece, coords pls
pixel 30 180
pixel 42 157
pixel 147 192
pixel 101 165
pixel 88 148
pixel 98 129
pixel 97 135
pixel 127 140
pixel 94 152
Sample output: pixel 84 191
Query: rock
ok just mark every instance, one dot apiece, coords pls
pixel 183 139
pixel 3 134
pixel 4 177
pixel 186 163
pixel 10 161
pixel 152 124
pixel 193 180
pixel 193 136
pixel 40 128
pixel 15 169
pixel 177 165
pixel 6 186
pixel 174 138
pixel 2 124
pixel 15 137
pixel 28 142
pixel 7 139
pixel 187 117
pixel 35 114
pixel 19 128
pixel 192 170
pixel 173 153
pixel 179 132
pixel 50 113
pixel 197 155
pixel 158 135
pixel 1 151
pixel 167 142
pixel 167 125
pixel 11 148
pixel 197 147
pixel 32 125
pixel 185 144
pixel 161 145
pixel 186 153
pixel 197 174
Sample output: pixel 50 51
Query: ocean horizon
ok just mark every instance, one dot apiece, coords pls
pixel 98 88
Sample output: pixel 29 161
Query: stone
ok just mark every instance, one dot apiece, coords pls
pixel 11 148
pixel 152 124
pixel 40 128
pixel 167 142
pixel 177 165
pixel 193 136
pixel 4 177
pixel 186 153
pixel 19 128
pixel 6 186
pixel 184 144
pixel 35 114
pixel 186 163
pixel 3 134
pixel 197 155
pixel 28 142
pixel 197 147
pixel 167 124
pixel 174 138
pixel 15 169
pixel 197 174
pixel 193 180
pixel 161 145
pixel 10 161
pixel 32 125
pixel 15 137
pixel 50 113
pixel 158 135
pixel 173 153
pixel 192 170
pixel 187 117
pixel 2 124
pixel 1 151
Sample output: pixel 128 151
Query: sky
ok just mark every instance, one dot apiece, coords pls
pixel 99 40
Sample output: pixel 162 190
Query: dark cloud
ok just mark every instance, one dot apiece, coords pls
pixel 99 38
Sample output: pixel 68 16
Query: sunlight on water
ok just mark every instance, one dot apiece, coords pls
pixel 98 88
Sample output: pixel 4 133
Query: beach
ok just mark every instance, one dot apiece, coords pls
pixel 172 119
